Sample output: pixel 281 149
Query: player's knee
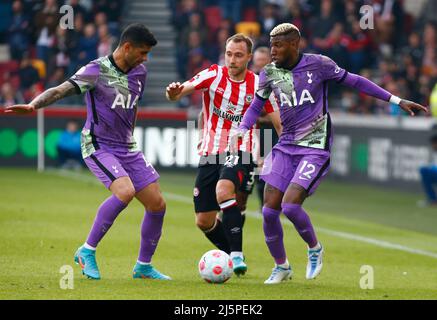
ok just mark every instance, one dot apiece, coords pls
pixel 203 223
pixel 270 215
pixel 125 194
pixel 156 205
pixel 225 192
pixel 272 203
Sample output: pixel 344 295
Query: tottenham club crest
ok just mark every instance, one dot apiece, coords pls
pixel 249 98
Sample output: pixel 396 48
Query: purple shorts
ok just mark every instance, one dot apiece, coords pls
pixel 110 165
pixel 294 164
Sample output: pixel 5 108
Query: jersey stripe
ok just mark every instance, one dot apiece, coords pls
pixel 230 99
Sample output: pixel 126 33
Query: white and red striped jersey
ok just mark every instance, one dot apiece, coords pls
pixel 224 103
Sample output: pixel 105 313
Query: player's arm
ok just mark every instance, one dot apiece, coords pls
pixel 333 72
pixel 252 114
pixel 200 81
pixel 372 89
pixel 175 90
pixel 250 117
pixel 44 99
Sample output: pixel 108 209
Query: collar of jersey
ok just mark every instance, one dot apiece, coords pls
pixel 112 60
pixel 235 81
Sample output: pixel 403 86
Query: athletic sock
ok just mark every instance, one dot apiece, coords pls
pixel 274 235
pixel 301 221
pixel 151 230
pixel 217 236
pixel 106 215
pixel 232 222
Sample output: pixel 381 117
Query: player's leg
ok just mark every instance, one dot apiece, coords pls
pixel 307 176
pixel 151 230
pixel 276 182
pixel 232 221
pixel 211 225
pixel 274 235
pixel 110 172
pixel 242 197
pixel 245 190
pixel 206 206
pixel 145 181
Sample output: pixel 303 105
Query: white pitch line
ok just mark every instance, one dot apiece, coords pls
pixel 257 215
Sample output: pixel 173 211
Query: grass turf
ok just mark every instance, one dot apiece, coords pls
pixel 45 217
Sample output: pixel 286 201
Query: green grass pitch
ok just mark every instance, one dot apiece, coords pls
pixel 45 217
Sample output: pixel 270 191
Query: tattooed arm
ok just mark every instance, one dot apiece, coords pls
pixel 44 99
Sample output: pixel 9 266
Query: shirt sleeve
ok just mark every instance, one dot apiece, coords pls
pixel 86 77
pixel 331 71
pixel 264 90
pixel 204 78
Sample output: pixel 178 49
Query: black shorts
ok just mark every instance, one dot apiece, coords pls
pixel 239 169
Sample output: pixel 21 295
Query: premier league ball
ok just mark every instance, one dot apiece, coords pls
pixel 215 266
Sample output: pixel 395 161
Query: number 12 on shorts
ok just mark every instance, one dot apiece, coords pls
pixel 306 170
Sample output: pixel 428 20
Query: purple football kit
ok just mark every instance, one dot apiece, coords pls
pixel 302 154
pixel 108 145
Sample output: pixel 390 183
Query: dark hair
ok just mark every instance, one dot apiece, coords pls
pixel 138 35
pixel 239 37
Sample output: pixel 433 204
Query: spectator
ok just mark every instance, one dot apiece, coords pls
pixel 261 57
pixel 68 147
pixel 231 9
pixel 18 31
pixel 106 41
pixel 27 73
pixel 73 39
pixel 9 96
pixel 428 176
pixel 46 22
pixel 88 45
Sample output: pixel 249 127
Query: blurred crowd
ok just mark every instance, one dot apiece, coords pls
pixel 40 53
pixel 398 53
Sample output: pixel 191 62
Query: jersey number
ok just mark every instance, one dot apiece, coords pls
pixel 306 170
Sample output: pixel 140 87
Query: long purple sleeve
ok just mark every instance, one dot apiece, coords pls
pixel 366 86
pixel 252 113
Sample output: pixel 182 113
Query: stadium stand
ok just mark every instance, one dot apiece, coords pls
pixel 192 34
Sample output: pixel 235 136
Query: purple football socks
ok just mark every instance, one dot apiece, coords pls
pixel 274 234
pixel 151 229
pixel 106 215
pixel 301 221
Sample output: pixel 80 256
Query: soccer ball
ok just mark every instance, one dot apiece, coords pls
pixel 215 266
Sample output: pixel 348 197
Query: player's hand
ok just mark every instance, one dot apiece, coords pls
pixel 20 108
pixel 173 90
pixel 412 107
pixel 234 140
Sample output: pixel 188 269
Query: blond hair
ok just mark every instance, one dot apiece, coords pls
pixel 285 29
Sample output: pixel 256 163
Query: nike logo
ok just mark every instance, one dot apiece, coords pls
pixel 112 82
pixel 277 81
